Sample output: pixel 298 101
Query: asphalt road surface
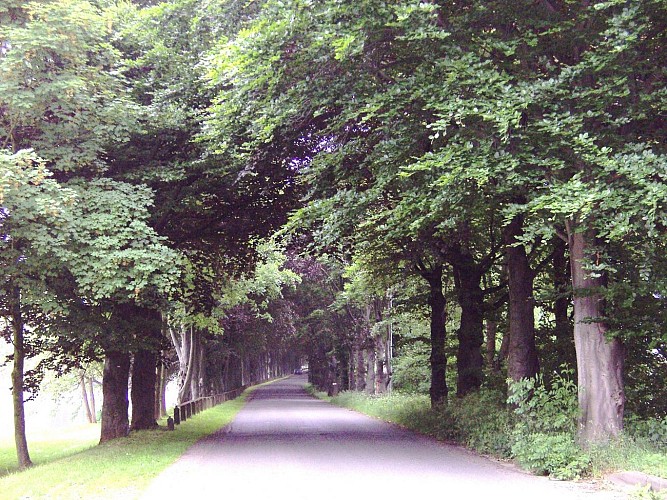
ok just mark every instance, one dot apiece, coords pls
pixel 285 444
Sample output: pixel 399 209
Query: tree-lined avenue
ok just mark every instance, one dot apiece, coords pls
pixel 286 444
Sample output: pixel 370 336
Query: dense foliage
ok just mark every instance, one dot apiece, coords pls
pixel 463 192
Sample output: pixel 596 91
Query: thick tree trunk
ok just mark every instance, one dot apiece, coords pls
pixel 143 390
pixel 146 325
pixel 522 360
pixel 470 334
pixel 438 360
pixel 20 438
pixel 114 389
pixel 599 359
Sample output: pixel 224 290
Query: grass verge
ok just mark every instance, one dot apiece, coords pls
pixel 121 468
pixel 47 447
pixel 414 412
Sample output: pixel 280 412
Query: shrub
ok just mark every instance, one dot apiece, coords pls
pixel 482 422
pixel 544 435
pixel 652 430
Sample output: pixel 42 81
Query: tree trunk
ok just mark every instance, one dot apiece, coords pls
pixel 20 438
pixel 563 327
pixel 190 359
pixel 91 400
pixel 438 360
pixel 381 375
pixel 371 375
pixel 84 396
pixel 160 390
pixel 491 335
pixel 470 334
pixel 143 390
pixel 114 390
pixel 361 367
pixel 599 359
pixel 351 375
pixel 522 360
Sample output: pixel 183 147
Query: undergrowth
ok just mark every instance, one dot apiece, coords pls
pixel 537 427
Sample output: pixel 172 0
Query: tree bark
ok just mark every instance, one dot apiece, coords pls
pixel 84 396
pixel 563 327
pixel 190 358
pixel 160 390
pixel 599 359
pixel 381 375
pixel 522 360
pixel 114 389
pixel 20 437
pixel 361 366
pixel 491 336
pixel 143 390
pixel 438 359
pixel 467 279
pixel 93 408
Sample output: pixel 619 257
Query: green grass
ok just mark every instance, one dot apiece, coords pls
pixel 413 412
pixel 628 454
pixel 121 468
pixel 49 446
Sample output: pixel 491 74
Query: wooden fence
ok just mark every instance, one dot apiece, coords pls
pixel 186 410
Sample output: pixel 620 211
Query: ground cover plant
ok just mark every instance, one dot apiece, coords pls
pixel 50 446
pixel 485 424
pixel 121 468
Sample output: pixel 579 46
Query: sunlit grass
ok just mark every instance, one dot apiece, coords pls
pixel 121 468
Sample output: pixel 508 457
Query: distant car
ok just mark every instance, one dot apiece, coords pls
pixel 298 371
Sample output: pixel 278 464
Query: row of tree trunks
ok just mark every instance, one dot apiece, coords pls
pixel 143 329
pixel 368 364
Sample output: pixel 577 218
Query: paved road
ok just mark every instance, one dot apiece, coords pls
pixel 285 444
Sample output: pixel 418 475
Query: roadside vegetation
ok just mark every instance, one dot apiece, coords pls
pixel 121 468
pixel 539 433
pixel 48 446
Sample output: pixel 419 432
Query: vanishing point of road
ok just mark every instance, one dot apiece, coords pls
pixel 285 444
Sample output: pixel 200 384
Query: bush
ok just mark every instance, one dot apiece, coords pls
pixel 653 431
pixel 411 371
pixel 556 454
pixel 544 435
pixel 483 423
